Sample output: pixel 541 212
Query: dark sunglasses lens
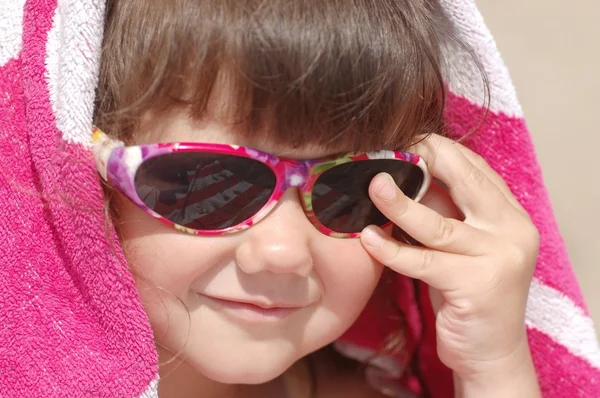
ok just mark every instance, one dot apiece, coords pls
pixel 341 199
pixel 204 191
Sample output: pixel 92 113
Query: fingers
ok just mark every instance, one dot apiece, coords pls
pixel 438 199
pixel 494 177
pixel 422 223
pixel 437 269
pixel 470 187
pixel 484 248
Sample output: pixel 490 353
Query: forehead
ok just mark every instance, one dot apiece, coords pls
pixel 179 127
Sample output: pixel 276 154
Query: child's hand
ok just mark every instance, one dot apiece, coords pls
pixel 479 269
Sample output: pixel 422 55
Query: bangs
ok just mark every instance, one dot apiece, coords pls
pixel 352 74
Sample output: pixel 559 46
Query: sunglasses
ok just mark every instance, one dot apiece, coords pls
pixel 213 189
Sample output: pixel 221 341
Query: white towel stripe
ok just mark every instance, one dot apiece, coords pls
pixel 72 62
pixel 152 391
pixel 461 72
pixel 554 314
pixel 11 29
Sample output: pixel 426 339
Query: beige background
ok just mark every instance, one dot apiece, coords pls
pixel 552 49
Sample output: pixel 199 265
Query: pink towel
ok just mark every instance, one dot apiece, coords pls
pixel 71 323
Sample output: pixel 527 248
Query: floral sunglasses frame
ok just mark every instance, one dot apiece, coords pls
pixel 117 165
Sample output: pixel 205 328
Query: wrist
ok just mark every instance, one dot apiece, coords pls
pixel 513 376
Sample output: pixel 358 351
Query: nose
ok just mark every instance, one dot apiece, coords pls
pixel 280 242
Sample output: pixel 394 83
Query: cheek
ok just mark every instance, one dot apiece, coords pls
pixel 165 263
pixel 159 254
pixel 349 277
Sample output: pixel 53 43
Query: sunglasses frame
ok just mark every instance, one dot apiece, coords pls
pixel 118 164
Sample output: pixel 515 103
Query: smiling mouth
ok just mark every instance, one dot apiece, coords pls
pixel 249 310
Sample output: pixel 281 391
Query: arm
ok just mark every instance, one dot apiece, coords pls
pixel 512 377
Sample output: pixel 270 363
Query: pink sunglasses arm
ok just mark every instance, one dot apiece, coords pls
pixel 103 147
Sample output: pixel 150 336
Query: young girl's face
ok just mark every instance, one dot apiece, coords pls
pixel 243 307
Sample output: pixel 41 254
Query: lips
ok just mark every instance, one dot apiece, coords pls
pixel 255 310
pixel 261 304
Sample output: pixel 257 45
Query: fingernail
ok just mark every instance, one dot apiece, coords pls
pixel 372 237
pixel 386 188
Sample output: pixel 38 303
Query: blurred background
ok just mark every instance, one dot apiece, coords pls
pixel 552 49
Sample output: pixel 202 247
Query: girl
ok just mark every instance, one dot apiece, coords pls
pixel 256 239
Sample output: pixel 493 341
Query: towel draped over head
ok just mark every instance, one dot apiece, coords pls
pixel 71 322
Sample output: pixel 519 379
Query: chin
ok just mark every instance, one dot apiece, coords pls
pixel 247 371
pixel 241 361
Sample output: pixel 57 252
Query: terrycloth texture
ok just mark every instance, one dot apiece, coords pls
pixel 71 323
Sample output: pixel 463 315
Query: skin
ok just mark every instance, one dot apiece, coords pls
pixel 479 268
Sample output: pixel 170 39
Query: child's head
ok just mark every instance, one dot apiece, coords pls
pixel 296 78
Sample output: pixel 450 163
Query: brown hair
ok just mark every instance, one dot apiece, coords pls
pixel 345 74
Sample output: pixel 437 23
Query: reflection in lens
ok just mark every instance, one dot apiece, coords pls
pixel 204 191
pixel 340 197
